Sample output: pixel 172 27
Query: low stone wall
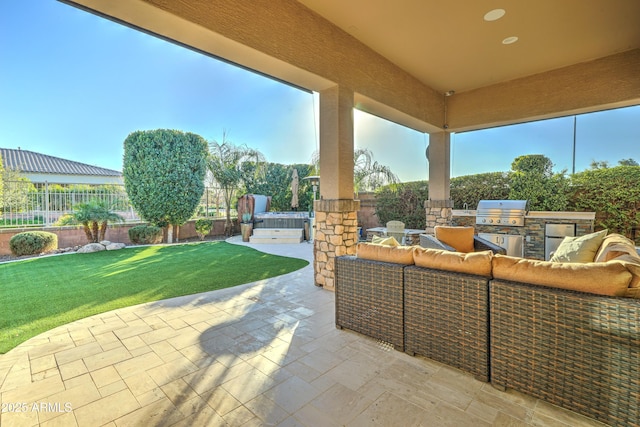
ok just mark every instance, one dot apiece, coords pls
pixel 73 236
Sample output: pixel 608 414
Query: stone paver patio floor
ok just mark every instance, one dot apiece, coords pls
pixel 265 353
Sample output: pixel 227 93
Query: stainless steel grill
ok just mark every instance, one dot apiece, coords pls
pixel 501 212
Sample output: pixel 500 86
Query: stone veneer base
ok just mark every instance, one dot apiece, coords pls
pixel 438 213
pixel 336 234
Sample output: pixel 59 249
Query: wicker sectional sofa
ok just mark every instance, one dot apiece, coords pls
pixel 579 350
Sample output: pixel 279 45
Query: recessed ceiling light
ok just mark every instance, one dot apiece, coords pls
pixel 510 40
pixel 494 15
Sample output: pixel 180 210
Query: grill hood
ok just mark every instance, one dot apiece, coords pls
pixel 503 205
pixel 501 212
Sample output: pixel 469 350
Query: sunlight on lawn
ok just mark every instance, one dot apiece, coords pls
pixel 145 253
pixel 78 286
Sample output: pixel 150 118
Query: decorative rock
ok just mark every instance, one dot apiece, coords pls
pixel 105 243
pixel 115 246
pixel 90 248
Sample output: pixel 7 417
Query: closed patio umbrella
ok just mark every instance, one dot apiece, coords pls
pixel 294 190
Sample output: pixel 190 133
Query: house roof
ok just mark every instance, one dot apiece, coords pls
pixel 29 162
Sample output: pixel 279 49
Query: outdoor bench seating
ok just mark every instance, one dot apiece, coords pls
pixel 372 303
pixel 573 349
pixel 506 320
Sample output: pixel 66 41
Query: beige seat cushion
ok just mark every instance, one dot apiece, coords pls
pixel 611 278
pixel 615 245
pixel 396 254
pixel 579 249
pixel 478 263
pixel 460 238
pixel 384 241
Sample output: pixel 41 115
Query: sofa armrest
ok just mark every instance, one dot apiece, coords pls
pixel 430 242
pixel 480 244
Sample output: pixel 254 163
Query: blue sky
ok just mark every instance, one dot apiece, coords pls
pixel 74 85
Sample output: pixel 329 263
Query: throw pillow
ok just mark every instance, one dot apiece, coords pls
pixel 579 249
pixel 460 238
pixel 384 241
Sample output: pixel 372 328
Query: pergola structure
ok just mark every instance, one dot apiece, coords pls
pixel 434 66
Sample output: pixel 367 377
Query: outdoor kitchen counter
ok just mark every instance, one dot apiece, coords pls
pixel 461 212
pixel 562 215
pixel 536 214
pixel 412 236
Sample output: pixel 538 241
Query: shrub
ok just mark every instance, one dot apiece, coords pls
pixel 403 202
pixel 470 189
pixel 203 227
pixel 33 242
pixel 613 194
pixel 145 234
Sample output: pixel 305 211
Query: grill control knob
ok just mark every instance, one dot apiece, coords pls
pixel 484 220
pixel 490 221
pixel 513 221
pixel 497 221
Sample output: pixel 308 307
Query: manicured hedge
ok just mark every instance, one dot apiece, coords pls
pixel 33 242
pixel 612 193
pixel 145 234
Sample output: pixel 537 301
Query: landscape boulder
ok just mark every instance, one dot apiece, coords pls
pixel 115 246
pixel 90 248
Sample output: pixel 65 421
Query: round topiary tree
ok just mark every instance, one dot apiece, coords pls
pixel 164 173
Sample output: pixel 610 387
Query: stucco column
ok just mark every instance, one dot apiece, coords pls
pixel 439 206
pixel 336 143
pixel 336 220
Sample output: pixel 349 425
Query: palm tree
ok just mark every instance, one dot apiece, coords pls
pixel 94 217
pixel 368 174
pixel 225 165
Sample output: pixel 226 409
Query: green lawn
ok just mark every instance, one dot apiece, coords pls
pixel 39 294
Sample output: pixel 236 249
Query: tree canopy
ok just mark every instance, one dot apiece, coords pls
pixel 225 165
pixel 532 179
pixel 164 173
pixel 276 183
pixel 368 174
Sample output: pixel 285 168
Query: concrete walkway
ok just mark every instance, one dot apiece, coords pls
pixel 265 353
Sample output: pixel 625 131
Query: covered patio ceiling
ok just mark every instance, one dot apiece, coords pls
pixel 571 56
pixel 448 45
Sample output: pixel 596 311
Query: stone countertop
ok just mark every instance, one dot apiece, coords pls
pixel 461 212
pixel 562 215
pixel 536 214
pixel 406 230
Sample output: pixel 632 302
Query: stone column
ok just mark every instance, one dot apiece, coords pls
pixel 336 234
pixel 438 213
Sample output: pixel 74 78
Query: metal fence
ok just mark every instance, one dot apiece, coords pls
pixel 25 204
